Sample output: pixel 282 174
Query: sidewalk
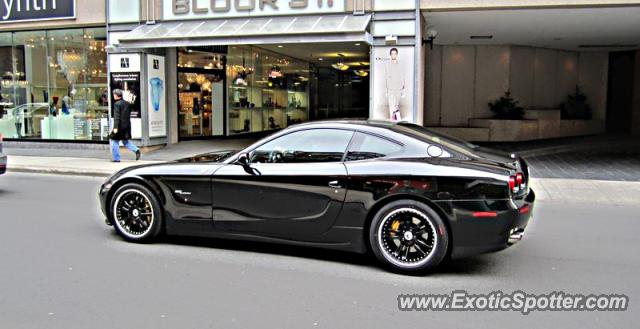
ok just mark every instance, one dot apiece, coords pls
pixel 68 165
pixel 96 161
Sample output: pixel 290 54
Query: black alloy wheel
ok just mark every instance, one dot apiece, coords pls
pixel 408 236
pixel 136 213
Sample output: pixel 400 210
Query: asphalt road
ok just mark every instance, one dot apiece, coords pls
pixel 63 268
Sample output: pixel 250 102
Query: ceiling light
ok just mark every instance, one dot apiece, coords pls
pixel 361 73
pixel 340 65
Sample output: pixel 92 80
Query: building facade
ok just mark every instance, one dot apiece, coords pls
pixel 229 68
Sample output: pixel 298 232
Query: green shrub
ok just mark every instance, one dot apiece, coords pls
pixel 576 107
pixel 506 108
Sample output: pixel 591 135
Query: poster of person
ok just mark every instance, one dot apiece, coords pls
pixel 129 83
pixel 393 69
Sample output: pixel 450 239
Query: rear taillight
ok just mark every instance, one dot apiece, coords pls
pixel 516 182
pixel 1 137
pixel 512 183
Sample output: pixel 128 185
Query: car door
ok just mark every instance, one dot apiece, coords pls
pixel 293 186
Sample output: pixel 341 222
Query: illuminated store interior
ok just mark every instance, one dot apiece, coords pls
pixel 231 90
pixel 54 85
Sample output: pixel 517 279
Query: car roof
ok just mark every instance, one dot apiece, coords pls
pixel 349 122
pixel 403 128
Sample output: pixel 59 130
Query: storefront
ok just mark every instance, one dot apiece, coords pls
pixel 53 80
pixel 244 67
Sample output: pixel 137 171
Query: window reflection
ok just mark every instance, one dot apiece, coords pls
pixel 267 90
pixel 54 84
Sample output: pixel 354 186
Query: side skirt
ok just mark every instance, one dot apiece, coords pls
pixel 344 239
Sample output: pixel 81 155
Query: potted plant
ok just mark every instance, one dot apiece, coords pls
pixel 507 108
pixel 576 107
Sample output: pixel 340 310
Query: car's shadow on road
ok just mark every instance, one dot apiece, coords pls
pixel 471 265
pixel 272 248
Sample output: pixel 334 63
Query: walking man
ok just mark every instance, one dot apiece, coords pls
pixel 121 127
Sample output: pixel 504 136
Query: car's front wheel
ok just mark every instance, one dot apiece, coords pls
pixel 136 213
pixel 408 236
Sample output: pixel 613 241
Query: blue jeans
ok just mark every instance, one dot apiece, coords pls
pixel 115 148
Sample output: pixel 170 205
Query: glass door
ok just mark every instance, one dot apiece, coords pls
pixel 201 83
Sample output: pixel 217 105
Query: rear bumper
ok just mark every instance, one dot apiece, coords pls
pixel 476 235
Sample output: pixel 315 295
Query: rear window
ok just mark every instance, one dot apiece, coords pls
pixel 438 138
pixel 365 146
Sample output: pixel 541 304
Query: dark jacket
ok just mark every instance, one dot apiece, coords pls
pixel 122 120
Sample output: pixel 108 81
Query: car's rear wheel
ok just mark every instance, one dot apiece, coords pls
pixel 136 213
pixel 408 236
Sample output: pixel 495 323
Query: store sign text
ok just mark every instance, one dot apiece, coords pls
pixel 182 7
pixel 29 10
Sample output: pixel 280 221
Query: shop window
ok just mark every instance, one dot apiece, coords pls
pixel 201 91
pixel 54 85
pixel 345 94
pixel 6 72
pixel 266 90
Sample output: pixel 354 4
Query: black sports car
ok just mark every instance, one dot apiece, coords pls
pixel 411 196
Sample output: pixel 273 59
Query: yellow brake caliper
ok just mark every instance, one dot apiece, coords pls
pixel 394 227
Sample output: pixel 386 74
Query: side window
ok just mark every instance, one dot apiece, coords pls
pixel 314 145
pixel 367 146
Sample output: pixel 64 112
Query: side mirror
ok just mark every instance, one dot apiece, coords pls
pixel 243 159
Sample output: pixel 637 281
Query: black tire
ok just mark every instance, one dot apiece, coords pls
pixel 136 213
pixel 408 236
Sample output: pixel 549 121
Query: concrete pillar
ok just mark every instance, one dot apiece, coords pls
pixel 171 63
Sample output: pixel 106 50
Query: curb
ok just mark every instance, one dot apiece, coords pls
pixel 59 171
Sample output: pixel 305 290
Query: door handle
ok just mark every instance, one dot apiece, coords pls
pixel 334 184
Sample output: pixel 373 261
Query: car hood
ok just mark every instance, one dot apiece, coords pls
pixel 218 156
pixel 183 166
